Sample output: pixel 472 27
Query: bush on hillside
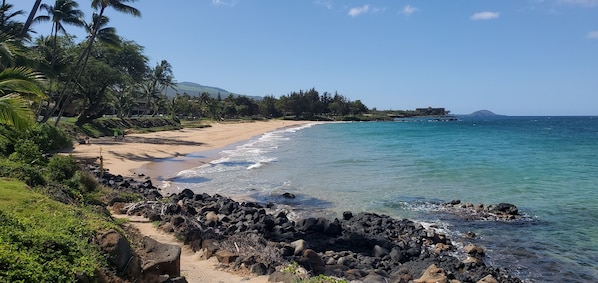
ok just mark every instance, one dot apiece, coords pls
pixel 62 167
pixel 49 138
pixel 47 241
pixel 85 181
pixel 26 173
pixel 28 152
pixel 8 138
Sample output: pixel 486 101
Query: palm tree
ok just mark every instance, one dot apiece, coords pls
pixel 124 100
pixel 7 24
pixel 101 5
pixel 160 78
pixel 63 12
pixel 16 85
pixel 105 35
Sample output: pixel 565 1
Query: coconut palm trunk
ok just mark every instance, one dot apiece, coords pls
pixel 30 18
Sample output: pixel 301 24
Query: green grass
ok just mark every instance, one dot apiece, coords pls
pixel 42 240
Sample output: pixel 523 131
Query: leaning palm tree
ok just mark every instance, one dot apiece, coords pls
pixel 98 5
pixel 106 35
pixel 30 18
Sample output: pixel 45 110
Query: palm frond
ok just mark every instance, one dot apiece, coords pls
pixel 15 111
pixel 119 5
pixel 22 81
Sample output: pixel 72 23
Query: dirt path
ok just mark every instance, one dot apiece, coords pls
pixel 193 268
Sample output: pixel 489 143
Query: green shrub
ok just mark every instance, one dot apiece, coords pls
pixel 8 137
pixel 62 167
pixel 49 138
pixel 23 172
pixel 85 181
pixel 27 152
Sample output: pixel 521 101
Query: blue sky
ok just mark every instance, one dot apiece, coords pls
pixel 514 57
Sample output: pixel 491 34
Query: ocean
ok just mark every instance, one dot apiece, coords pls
pixel 546 166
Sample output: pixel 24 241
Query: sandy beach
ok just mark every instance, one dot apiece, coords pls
pixel 146 153
pixel 162 154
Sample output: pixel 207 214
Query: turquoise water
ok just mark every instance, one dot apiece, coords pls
pixel 547 166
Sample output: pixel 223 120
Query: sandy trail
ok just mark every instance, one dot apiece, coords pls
pixel 195 269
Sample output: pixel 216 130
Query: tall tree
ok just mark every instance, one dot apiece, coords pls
pixel 110 77
pixel 100 6
pixel 63 12
pixel 105 35
pixel 159 79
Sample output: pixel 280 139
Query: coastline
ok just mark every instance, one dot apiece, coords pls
pixel 183 153
pixel 161 154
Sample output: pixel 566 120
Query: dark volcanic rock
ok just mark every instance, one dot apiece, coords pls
pixel 469 211
pixel 161 258
pixel 363 246
pixel 116 246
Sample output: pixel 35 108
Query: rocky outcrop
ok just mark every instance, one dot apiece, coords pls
pixel 118 251
pixel 470 211
pixel 151 261
pixel 367 247
pixel 160 259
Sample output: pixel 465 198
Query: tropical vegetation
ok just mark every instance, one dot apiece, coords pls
pixel 106 74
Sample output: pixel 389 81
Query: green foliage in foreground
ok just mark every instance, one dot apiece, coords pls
pixel 42 240
pixel 295 269
pixel 26 173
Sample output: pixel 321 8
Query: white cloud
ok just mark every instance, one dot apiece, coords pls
pixel 592 34
pixel 408 10
pixel 229 3
pixel 353 12
pixel 484 16
pixel 325 3
pixel 585 3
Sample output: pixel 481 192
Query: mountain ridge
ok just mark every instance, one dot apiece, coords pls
pixel 196 89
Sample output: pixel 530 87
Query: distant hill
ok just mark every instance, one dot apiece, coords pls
pixel 195 89
pixel 483 113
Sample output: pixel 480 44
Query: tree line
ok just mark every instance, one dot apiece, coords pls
pixel 308 104
pixel 106 74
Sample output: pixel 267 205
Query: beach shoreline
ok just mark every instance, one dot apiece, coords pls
pixel 165 153
pixel 159 155
pixel 162 154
